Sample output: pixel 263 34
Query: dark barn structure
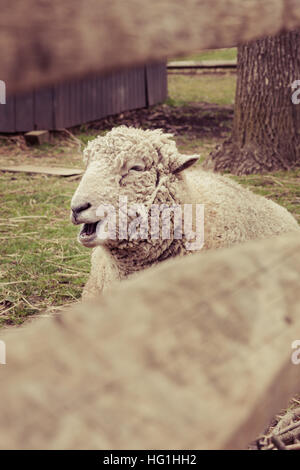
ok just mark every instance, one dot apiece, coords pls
pixel 75 102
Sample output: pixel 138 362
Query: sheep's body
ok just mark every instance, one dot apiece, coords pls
pixel 233 214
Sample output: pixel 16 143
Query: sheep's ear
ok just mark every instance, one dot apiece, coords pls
pixel 183 162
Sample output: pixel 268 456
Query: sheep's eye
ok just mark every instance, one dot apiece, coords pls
pixel 137 168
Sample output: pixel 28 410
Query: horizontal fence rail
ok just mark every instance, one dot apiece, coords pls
pixel 204 64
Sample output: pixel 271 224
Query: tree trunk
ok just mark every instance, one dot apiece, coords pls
pixel 265 134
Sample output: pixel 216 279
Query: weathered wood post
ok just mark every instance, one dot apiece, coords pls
pixel 195 353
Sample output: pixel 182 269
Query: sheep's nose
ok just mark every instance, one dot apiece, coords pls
pixel 78 209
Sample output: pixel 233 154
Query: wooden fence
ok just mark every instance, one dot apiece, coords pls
pixel 75 102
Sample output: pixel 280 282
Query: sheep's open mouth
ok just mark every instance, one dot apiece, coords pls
pixel 88 232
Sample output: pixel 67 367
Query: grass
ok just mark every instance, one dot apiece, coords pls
pixel 42 265
pixel 208 87
pixel 213 54
pixel 204 86
pixel 282 186
pixel 202 146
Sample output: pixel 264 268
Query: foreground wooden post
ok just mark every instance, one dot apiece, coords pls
pixel 193 354
pixel 61 40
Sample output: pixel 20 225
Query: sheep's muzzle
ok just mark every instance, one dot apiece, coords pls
pixel 88 233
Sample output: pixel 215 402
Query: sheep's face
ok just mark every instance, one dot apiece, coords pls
pixel 126 164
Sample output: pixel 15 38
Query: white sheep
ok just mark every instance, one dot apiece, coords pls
pixel 146 168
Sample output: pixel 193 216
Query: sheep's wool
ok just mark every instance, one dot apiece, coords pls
pixel 149 146
pixel 147 168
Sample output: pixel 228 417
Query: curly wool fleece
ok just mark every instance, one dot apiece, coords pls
pixel 147 168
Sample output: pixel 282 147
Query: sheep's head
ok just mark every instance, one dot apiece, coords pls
pixel 125 162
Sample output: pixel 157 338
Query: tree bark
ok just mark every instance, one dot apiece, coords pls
pixel 265 134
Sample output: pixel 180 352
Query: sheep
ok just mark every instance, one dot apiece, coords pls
pixel 145 168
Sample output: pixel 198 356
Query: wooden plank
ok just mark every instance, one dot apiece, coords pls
pixel 204 64
pixel 156 83
pixel 100 103
pixel 106 96
pixel 56 171
pixel 89 99
pixel 119 93
pixel 25 112
pixel 98 109
pixel 61 105
pixel 8 115
pixel 113 95
pixel 128 82
pixel 192 354
pixel 37 137
pixel 76 100
pixel 43 109
pixel 136 88
pixel 103 36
